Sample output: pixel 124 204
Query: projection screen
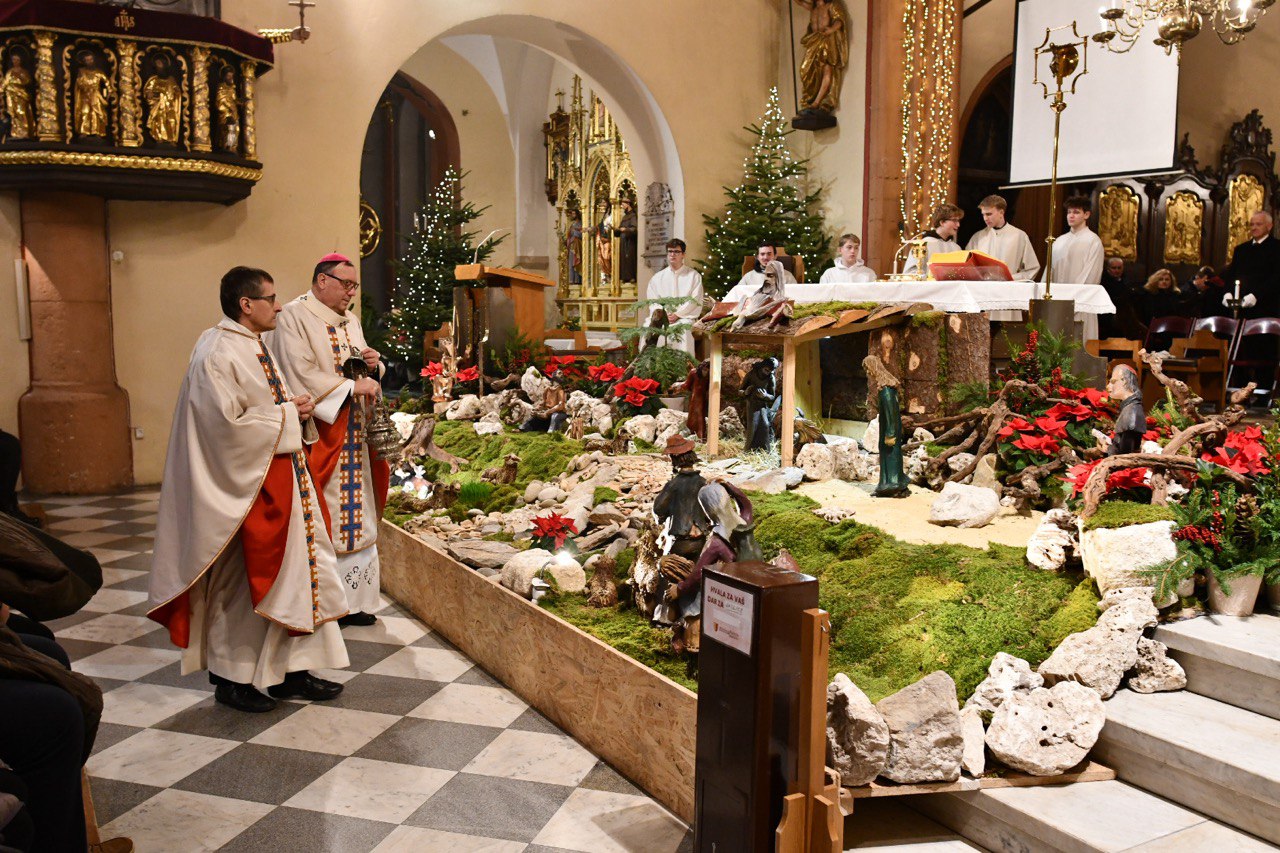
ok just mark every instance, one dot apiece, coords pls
pixel 1122 120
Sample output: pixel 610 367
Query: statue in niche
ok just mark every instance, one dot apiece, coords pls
pixel 760 389
pixel 227 103
pixel 628 236
pixel 826 55
pixel 93 92
pixel 16 103
pixel 163 95
pixel 573 246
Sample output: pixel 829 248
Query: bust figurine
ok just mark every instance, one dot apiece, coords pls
pixel 1131 421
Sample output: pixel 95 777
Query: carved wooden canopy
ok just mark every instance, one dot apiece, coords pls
pixel 127 103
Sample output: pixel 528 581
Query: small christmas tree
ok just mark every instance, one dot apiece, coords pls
pixel 425 274
pixel 770 203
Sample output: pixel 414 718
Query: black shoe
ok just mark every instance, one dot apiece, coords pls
pixel 358 620
pixel 304 685
pixel 243 697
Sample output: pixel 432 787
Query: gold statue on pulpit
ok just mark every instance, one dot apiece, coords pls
pixel 163 95
pixel 93 91
pixel 16 88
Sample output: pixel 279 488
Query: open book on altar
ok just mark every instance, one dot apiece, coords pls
pixel 968 266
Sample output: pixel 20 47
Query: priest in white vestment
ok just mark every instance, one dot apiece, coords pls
pixel 941 238
pixel 677 281
pixel 849 268
pixel 244 575
pixel 1077 254
pixel 1003 240
pixel 765 253
pixel 316 336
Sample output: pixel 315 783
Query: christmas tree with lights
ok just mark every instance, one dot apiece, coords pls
pixel 771 202
pixel 425 273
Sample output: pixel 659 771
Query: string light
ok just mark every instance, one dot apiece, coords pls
pixel 927 110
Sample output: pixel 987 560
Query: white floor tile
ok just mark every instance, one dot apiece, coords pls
pixel 155 757
pixel 412 839
pixel 533 757
pixel 109 600
pixel 431 664
pixel 90 538
pixel 71 510
pixel 126 663
pixel 139 704
pixel 372 790
pixel 110 628
pixel 388 629
pixel 317 728
pixel 474 704
pixel 110 555
pixel 603 822
pixel 81 524
pixel 112 576
pixel 181 820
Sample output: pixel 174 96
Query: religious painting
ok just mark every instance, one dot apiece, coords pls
pixel 1118 222
pixel 1245 198
pixel 1183 225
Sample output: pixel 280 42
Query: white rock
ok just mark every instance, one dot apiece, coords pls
pixel 922 434
pixel 817 461
pixel 833 514
pixel 959 462
pixel 486 427
pixel 1130 613
pixel 1053 541
pixel 871 438
pixel 974 759
pixel 964 506
pixel 404 423
pixel 924 730
pixel 668 423
pixel 985 475
pixel 567 573
pixel 1117 557
pixel 555 494
pixel 1047 731
pixel 480 552
pixel 792 476
pixel 517 412
pixel 1155 671
pixel 857 736
pixel 642 427
pixel 851 463
pixel 534 384
pixel 1097 658
pixel 531 491
pixel 578 514
pixel 1151 447
pixel 1005 676
pixel 607 513
pixel 465 408
pixel 521 568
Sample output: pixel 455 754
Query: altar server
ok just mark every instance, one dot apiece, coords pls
pixel 1077 254
pixel 676 281
pixel 1003 240
pixel 323 353
pixel 765 252
pixel 244 575
pixel 849 268
pixel 941 238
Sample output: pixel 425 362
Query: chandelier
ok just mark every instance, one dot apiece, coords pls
pixel 1177 21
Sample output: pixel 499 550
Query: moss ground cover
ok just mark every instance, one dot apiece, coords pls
pixel 542 457
pixel 1122 513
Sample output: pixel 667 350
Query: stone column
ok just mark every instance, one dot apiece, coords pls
pixel 74 419
pixel 915 63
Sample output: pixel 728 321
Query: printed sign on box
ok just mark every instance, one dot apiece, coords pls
pixel 728 615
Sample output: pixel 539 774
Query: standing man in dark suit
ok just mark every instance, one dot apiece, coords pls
pixel 1255 269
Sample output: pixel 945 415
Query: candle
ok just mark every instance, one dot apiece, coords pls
pixel 1237 290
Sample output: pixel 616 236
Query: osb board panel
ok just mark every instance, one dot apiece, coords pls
pixel 635 719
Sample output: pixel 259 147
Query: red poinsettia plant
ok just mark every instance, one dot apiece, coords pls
pixel 432 370
pixel 637 396
pixel 566 366
pixel 468 374
pixel 1126 480
pixel 1242 452
pixel 550 531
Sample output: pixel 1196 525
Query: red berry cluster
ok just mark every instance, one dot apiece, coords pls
pixel 1200 535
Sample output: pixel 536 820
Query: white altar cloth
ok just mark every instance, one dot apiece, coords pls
pixel 960 297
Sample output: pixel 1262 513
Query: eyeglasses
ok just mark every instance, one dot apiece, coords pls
pixel 347 283
pixel 271 298
pixel 675 251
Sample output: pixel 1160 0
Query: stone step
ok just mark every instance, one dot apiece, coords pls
pixel 1087 817
pixel 1234 659
pixel 884 825
pixel 1215 758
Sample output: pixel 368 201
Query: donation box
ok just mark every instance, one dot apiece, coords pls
pixel 748 703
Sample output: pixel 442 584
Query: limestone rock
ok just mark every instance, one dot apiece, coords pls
pixel 522 567
pixel 465 408
pixel 567 573
pixel 595 413
pixel 857 736
pixel 920 434
pixel 959 462
pixel 1130 613
pixel 551 493
pixel 489 424
pixel 871 438
pixel 964 506
pixel 974 759
pixel 818 462
pixel 1155 671
pixel 1047 731
pixel 851 463
pixel 534 384
pixel 833 514
pixel 1117 557
pixel 578 514
pixel 517 412
pixel 607 513
pixel 914 465
pixel 1097 658
pixel 791 476
pixel 480 552
pixel 642 428
pixel 598 537
pixel 1005 676
pixel 531 491
pixel 985 475
pixel 731 424
pixel 1053 541
pixel 668 423
pixel 924 731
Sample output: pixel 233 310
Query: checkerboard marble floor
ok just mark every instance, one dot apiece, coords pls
pixel 423 752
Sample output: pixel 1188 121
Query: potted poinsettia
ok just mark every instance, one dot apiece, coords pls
pixel 1218 535
pixel 637 396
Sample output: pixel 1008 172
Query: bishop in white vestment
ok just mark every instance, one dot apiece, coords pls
pixel 244 575
pixel 316 335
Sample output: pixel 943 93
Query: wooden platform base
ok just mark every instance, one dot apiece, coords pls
pixel 1087 771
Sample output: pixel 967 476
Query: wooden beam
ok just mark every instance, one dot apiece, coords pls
pixel 788 405
pixel 713 395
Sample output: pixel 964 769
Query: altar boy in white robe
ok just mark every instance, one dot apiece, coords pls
pixel 677 280
pixel 849 268
pixel 1077 254
pixel 316 337
pixel 244 575
pixel 1003 240
pixel 941 238
pixel 766 251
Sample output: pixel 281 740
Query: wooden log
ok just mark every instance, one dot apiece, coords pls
pixel 933 355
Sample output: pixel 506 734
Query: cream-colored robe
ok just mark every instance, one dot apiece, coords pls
pixel 311 357
pixel 227 429
pixel 669 284
pixel 1010 244
pixel 1077 257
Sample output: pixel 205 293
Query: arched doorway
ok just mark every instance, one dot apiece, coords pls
pixel 984 148
pixel 410 141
